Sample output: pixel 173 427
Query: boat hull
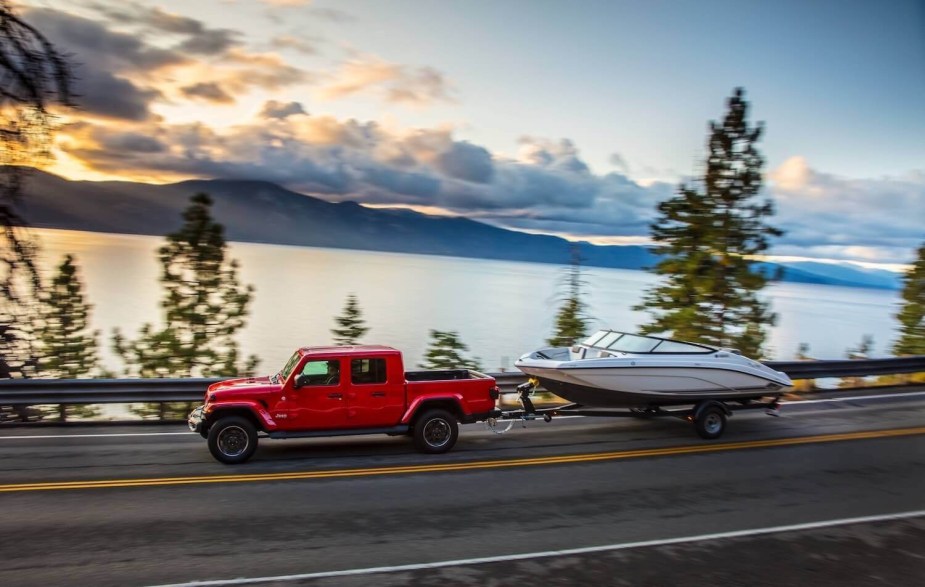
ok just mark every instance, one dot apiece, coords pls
pixel 650 386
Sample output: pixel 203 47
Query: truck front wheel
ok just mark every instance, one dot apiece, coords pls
pixel 435 431
pixel 232 440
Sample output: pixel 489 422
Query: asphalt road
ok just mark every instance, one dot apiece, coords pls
pixel 149 506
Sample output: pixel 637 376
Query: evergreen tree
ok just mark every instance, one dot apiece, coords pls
pixel 445 352
pixel 803 354
pixel 912 315
pixel 204 306
pixel 68 349
pixel 351 324
pixel 860 352
pixel 33 77
pixel 708 237
pixel 571 321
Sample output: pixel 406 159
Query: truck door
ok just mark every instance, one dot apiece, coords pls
pixel 374 400
pixel 316 399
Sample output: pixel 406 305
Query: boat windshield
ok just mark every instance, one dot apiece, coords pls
pixel 623 342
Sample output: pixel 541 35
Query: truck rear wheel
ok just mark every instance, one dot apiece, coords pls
pixel 232 440
pixel 435 431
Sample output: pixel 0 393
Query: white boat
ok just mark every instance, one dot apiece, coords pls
pixel 619 369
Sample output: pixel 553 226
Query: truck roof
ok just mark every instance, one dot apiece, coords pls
pixel 362 349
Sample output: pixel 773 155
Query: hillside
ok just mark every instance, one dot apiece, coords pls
pixel 263 212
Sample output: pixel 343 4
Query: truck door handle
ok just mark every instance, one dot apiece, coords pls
pixel 336 395
pixel 378 394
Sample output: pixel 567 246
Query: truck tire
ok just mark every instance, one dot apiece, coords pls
pixel 435 431
pixel 232 440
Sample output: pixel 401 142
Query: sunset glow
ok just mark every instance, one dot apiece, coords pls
pixel 537 117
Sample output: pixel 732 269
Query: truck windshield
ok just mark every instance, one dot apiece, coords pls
pixel 290 365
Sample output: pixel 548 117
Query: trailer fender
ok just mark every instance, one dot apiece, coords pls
pixel 702 406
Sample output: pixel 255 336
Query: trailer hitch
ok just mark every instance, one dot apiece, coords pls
pixel 503 423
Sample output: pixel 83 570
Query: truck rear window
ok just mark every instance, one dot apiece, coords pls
pixel 364 371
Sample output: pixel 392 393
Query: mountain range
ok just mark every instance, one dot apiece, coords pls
pixel 264 212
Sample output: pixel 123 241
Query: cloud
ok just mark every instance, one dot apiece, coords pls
pixel 421 86
pixel 840 217
pixel 103 94
pixel 265 70
pixel 390 81
pixel 208 91
pixel 200 39
pixel 297 44
pixel 216 59
pixel 619 163
pixel 467 162
pixel 551 190
pixel 561 155
pixel 210 42
pixel 274 109
pixel 93 45
pixel 287 3
pixel 333 15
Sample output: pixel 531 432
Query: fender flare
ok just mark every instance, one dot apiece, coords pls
pixel 414 407
pixel 260 414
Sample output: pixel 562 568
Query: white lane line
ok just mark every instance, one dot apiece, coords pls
pixel 855 398
pixel 99 435
pixel 552 553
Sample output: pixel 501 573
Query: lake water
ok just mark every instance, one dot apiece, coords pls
pixel 500 309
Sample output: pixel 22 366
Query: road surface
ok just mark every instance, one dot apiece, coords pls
pixel 828 494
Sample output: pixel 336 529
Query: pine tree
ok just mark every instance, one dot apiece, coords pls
pixel 351 324
pixel 860 352
pixel 445 352
pixel 204 306
pixel 912 315
pixel 708 237
pixel 67 348
pixel 571 321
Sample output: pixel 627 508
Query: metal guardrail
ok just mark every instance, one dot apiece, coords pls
pixel 848 367
pixel 101 391
pixel 18 392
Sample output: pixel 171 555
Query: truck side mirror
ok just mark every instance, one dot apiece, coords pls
pixel 300 381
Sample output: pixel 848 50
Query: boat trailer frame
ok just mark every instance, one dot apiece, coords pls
pixel 707 415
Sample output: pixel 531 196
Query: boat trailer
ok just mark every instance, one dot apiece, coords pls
pixel 707 415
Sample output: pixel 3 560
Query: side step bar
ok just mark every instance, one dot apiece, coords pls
pixel 391 431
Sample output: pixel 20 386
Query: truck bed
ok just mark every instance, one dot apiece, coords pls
pixel 438 375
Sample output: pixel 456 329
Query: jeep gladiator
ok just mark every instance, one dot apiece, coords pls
pixel 339 391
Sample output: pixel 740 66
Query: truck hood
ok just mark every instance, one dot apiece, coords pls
pixel 246 386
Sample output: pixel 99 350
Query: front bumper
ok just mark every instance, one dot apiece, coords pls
pixel 194 420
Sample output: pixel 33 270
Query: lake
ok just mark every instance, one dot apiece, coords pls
pixel 500 309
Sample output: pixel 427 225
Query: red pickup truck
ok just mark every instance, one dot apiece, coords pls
pixel 339 391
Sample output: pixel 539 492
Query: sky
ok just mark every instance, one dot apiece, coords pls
pixel 548 116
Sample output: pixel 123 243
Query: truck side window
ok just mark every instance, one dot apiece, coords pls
pixel 367 371
pixel 322 372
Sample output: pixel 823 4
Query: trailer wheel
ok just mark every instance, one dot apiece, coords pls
pixel 232 440
pixel 710 422
pixel 435 431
